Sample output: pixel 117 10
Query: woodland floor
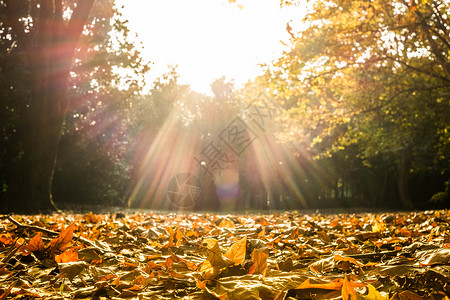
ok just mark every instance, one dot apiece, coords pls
pixel 291 255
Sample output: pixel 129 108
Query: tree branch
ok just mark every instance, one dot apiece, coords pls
pixel 51 232
pixel 409 91
pixel 434 47
pixel 417 69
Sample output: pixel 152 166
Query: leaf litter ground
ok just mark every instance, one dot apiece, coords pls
pixel 287 255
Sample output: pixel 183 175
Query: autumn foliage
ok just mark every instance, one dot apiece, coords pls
pixel 207 256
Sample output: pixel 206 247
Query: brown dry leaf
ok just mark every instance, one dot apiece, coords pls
pixel 323 265
pixel 435 257
pixel 70 255
pixel 72 269
pixel 237 251
pixel 130 256
pixel 92 218
pixel 259 258
pixel 324 237
pixel 34 245
pixel 7 292
pixel 406 295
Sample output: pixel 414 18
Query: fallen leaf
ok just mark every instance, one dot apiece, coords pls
pixel 346 258
pixel 323 236
pixel 214 261
pixel 259 258
pixel 335 285
pixel 70 255
pixel 72 269
pixel 61 243
pixel 237 251
pixel 34 245
pixel 6 239
pixel 434 257
pixel 227 224
pixel 348 292
pixel 407 295
pixel 373 294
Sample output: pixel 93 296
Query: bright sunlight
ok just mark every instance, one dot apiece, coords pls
pixel 208 39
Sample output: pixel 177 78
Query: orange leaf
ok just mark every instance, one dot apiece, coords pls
pixel 259 258
pixel 201 284
pixel 3 270
pixel 35 244
pixel 151 266
pixel 172 259
pixel 69 255
pixel 6 239
pixel 61 243
pixel 105 278
pixel 227 224
pixel 237 252
pixel 349 259
pixel 348 292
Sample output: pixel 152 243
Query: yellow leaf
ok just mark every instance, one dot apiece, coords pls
pixel 214 262
pixel 259 258
pixel 378 227
pixel 237 252
pixel 373 294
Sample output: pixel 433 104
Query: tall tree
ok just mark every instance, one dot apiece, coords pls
pixel 45 33
pixel 373 74
pixel 93 164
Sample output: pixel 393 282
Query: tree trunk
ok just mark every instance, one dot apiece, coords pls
pixel 49 60
pixel 403 179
